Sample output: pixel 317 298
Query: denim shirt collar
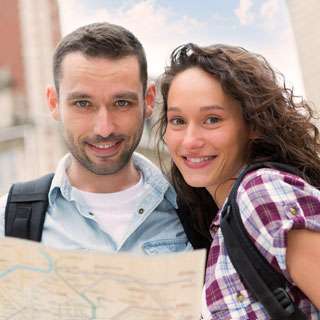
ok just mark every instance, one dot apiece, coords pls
pixel 152 176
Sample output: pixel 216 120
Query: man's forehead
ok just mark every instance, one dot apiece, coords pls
pixel 92 76
pixel 99 68
pixel 77 57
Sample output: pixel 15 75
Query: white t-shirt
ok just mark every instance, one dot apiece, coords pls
pixel 114 212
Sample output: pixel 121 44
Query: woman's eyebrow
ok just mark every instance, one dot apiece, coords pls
pixel 204 108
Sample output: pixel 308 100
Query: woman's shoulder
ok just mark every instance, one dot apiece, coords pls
pixel 275 183
pixel 273 202
pixel 270 195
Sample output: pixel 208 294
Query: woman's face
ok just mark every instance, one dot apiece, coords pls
pixel 206 134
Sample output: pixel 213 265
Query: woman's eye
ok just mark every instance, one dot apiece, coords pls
pixel 82 104
pixel 212 120
pixel 122 103
pixel 176 121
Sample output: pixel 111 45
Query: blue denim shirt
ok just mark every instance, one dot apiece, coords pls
pixel 69 225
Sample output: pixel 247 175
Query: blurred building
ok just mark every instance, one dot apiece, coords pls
pixel 305 20
pixel 29 143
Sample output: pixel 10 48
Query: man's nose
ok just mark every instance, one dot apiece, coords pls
pixel 104 125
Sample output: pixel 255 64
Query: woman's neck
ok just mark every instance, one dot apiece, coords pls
pixel 220 192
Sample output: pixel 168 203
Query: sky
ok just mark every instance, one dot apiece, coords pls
pixel 262 26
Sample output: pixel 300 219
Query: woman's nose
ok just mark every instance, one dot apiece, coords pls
pixel 193 137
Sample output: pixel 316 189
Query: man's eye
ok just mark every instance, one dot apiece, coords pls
pixel 82 104
pixel 122 103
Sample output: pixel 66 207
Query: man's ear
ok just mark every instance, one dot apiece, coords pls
pixel 149 99
pixel 53 102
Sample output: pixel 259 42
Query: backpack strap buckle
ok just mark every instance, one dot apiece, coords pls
pixel 284 299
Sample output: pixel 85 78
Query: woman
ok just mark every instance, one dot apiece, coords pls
pixel 223 109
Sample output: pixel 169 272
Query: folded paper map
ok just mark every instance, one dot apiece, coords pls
pixel 38 283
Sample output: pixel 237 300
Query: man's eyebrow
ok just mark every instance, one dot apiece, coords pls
pixel 204 108
pixel 126 95
pixel 77 95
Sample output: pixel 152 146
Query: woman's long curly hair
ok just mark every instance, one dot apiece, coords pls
pixel 284 122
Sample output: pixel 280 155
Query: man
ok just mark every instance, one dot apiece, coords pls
pixel 103 196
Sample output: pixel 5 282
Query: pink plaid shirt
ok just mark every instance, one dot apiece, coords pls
pixel 271 203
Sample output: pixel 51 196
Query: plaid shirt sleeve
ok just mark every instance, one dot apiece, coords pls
pixel 271 204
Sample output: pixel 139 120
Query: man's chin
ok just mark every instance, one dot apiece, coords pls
pixel 101 170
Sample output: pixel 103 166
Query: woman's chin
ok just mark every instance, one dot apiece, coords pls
pixel 195 183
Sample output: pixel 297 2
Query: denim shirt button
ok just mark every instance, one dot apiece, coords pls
pixel 141 211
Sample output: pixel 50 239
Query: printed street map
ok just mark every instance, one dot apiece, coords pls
pixel 38 283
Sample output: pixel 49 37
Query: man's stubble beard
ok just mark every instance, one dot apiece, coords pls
pixel 112 166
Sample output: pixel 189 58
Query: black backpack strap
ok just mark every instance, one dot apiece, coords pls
pixel 266 284
pixel 26 208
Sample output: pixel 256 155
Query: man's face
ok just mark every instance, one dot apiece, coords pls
pixel 102 110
